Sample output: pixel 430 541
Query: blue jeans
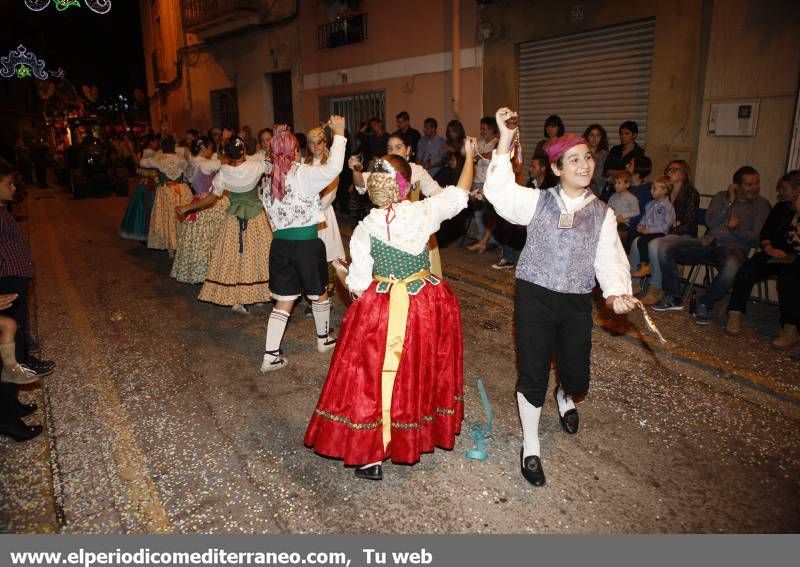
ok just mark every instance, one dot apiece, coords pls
pixel 510 255
pixel 729 258
pixel 655 248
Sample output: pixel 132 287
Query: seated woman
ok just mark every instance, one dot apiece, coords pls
pixel 171 192
pixel 395 385
pixel 686 201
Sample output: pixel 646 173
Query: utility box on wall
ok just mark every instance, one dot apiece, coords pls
pixel 733 118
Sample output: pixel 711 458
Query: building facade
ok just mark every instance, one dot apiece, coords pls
pixel 669 64
pixel 257 62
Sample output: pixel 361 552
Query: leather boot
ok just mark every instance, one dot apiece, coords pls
pixel 734 326
pixel 788 338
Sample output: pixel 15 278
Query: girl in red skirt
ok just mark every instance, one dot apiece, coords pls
pixel 395 386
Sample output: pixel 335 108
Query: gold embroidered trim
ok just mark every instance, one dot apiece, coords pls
pixel 346 421
pixel 378 423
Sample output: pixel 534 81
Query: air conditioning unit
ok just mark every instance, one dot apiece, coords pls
pixel 733 118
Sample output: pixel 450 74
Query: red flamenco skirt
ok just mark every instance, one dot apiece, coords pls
pixel 427 404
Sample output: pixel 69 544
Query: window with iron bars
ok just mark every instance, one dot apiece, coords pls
pixel 357 109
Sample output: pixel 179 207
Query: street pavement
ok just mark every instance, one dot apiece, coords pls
pixel 157 420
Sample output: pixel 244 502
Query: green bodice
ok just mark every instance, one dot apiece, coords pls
pixel 389 262
pixel 245 205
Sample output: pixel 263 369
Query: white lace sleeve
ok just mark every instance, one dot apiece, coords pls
pixel 445 205
pixel 610 262
pixel 515 203
pixel 360 274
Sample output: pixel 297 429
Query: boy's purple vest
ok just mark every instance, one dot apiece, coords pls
pixel 562 259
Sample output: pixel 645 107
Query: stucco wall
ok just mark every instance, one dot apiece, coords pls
pixel 754 54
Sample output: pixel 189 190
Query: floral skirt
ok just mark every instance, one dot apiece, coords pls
pixel 427 403
pixel 196 239
pixel 163 230
pixel 239 268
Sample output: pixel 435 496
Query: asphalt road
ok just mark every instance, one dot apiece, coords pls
pixel 157 419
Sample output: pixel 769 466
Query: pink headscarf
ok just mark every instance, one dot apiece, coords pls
pixel 561 145
pixel 284 150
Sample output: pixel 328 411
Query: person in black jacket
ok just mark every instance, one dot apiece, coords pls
pixel 777 254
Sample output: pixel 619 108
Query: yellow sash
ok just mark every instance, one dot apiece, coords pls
pixel 395 337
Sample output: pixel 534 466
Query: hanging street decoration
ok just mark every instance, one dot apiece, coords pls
pixel 22 63
pixel 96 6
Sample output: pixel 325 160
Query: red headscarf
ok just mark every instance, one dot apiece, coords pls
pixel 561 145
pixel 284 150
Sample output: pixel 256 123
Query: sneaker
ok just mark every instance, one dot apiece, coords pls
pixel 308 313
pixel 669 303
pixel 239 308
pixel 503 264
pixel 40 367
pixel 326 344
pixel 37 370
pixel 272 362
pixel 20 375
pixel 701 314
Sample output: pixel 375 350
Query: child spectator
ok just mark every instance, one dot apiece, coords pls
pixel 640 168
pixel 658 218
pixel 624 203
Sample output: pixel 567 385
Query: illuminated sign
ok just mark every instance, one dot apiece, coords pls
pixel 96 6
pixel 22 64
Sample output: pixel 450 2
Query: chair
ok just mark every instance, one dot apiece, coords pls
pixel 694 269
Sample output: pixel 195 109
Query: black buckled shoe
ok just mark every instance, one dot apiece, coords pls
pixel 375 472
pixel 532 469
pixel 570 421
pixel 19 431
pixel 24 410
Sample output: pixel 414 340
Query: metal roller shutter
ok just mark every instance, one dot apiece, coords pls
pixel 600 76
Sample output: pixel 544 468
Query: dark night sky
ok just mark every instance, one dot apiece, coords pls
pixel 103 50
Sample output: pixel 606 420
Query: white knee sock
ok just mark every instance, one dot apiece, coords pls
pixel 7 353
pixel 529 416
pixel 322 317
pixel 275 328
pixel 564 401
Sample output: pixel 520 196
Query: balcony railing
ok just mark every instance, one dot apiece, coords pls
pixel 344 31
pixel 214 17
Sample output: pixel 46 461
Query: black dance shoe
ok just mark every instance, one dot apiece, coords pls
pixel 24 410
pixel 532 469
pixel 570 420
pixel 375 472
pixel 19 431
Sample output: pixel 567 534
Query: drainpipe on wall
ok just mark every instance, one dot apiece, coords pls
pixel 456 47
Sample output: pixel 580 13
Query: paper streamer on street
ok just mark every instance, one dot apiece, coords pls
pixel 650 324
